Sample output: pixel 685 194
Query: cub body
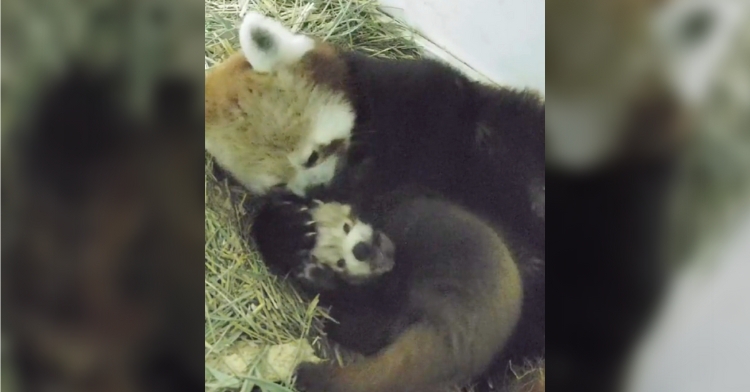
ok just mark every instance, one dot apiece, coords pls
pixel 438 316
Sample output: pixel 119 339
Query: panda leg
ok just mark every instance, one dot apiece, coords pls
pixel 364 330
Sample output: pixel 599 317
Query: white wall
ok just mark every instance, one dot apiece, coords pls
pixel 503 40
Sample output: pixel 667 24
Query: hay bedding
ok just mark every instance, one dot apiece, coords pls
pixel 257 326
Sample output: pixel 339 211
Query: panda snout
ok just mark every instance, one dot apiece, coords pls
pixel 379 253
pixel 362 251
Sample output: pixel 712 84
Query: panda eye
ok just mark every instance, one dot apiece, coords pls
pixel 347 228
pixel 312 160
pixel 341 263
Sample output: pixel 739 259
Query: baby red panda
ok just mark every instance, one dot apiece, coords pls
pixel 432 292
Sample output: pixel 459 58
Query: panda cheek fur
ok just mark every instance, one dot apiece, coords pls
pixel 321 174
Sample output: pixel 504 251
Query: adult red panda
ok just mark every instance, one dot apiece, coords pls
pixel 292 112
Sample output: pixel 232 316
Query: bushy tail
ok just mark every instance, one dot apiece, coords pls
pixel 423 359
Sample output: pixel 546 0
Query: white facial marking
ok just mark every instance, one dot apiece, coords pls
pixel 284 48
pixel 335 243
pixel 334 121
pixel 360 232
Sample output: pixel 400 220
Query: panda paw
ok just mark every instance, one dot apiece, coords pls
pixel 312 377
pixel 284 232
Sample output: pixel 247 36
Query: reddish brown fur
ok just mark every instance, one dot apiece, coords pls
pixel 326 67
pixel 256 121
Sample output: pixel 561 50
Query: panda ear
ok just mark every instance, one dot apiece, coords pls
pixel 268 45
pixel 314 277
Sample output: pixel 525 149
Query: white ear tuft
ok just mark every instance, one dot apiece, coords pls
pixel 268 45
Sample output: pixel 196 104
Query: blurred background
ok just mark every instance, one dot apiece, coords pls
pixel 102 196
pixel 648 173
pixel 648 119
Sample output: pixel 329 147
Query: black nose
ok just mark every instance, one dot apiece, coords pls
pixel 362 251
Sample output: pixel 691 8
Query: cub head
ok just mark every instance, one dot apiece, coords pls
pixel 277 113
pixel 346 249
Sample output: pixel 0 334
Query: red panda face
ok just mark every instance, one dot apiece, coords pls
pixel 349 247
pixel 277 112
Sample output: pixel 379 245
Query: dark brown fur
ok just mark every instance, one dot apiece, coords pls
pixel 459 304
pixel 421 124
